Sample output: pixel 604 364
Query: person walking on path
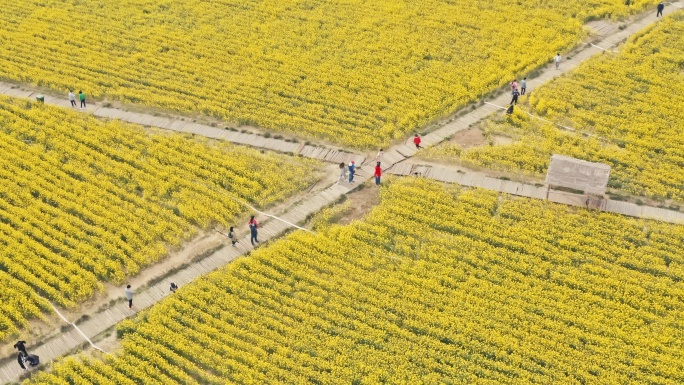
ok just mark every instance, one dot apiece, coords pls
pixel 81 97
pixel 231 235
pixel 253 225
pixel 523 86
pixel 72 98
pixel 514 84
pixel 381 154
pixel 557 59
pixel 515 94
pixel 352 171
pixel 416 140
pixel 661 7
pixel 377 174
pixel 173 287
pixel 129 296
pixel 343 173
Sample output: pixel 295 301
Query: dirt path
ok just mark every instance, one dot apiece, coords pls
pixel 298 212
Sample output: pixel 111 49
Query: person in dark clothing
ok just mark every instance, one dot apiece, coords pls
pixel 21 346
pixel 510 109
pixel 352 171
pixel 21 360
pixel 515 94
pixel 661 7
pixel 253 225
pixel 173 287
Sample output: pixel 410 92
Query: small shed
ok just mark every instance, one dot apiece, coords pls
pixel 588 177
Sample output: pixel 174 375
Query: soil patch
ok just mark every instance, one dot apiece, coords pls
pixel 362 201
pixel 472 137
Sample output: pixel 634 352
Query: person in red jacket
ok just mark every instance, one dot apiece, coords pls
pixel 416 141
pixel 378 173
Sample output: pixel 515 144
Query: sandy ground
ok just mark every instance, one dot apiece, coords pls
pixel 472 137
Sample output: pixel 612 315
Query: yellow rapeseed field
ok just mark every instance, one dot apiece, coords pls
pixel 435 285
pixel 355 72
pixel 631 104
pixel 82 201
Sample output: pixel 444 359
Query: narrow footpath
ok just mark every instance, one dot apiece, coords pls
pixel 298 212
pixel 470 179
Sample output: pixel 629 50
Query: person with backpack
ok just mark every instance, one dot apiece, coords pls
pixel 82 98
pixel 377 174
pixel 352 171
pixel 416 141
pixel 253 225
pixel 231 235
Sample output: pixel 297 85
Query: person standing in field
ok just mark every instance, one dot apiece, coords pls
pixel 343 173
pixel 661 7
pixel 253 225
pixel 72 98
pixel 378 173
pixel 129 296
pixel 557 60
pixel 82 98
pixel 416 140
pixel 523 86
pixel 352 171
pixel 515 94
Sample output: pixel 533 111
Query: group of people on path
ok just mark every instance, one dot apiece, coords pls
pixel 81 97
pixel 515 93
pixel 377 174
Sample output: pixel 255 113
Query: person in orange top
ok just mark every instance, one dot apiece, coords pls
pixel 378 173
pixel 416 141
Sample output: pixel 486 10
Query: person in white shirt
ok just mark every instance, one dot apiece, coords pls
pixel 378 158
pixel 557 60
pixel 72 98
pixel 129 296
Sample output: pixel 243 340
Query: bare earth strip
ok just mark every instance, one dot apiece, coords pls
pixel 70 340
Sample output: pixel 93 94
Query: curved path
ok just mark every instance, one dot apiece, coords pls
pixel 298 212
